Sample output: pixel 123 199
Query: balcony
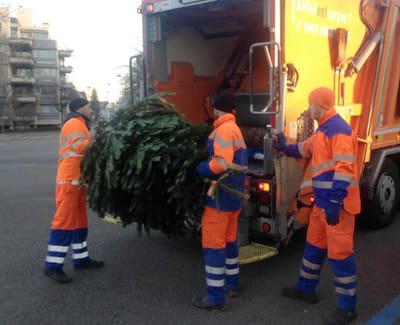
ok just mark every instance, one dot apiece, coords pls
pixel 65 69
pixel 22 61
pixel 24 98
pixel 67 84
pixel 21 43
pixel 22 80
pixel 42 63
pixel 50 99
pixel 64 53
pixel 45 44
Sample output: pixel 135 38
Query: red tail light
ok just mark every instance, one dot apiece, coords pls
pixel 149 8
pixel 266 227
pixel 263 191
pixel 264 187
pixel 263 197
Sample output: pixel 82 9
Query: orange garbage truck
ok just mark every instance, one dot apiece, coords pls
pixel 270 54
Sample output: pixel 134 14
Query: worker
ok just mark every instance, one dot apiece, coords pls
pixel 332 150
pixel 227 151
pixel 70 225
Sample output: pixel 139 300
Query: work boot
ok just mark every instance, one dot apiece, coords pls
pixel 232 293
pixel 90 264
pixel 57 275
pixel 295 293
pixel 202 302
pixel 340 316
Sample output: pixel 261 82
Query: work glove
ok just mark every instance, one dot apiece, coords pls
pixel 280 144
pixel 332 212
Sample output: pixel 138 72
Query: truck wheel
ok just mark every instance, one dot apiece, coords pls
pixel 381 210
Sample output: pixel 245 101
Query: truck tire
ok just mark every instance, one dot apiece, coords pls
pixel 381 210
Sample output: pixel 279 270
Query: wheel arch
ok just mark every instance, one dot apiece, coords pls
pixel 373 169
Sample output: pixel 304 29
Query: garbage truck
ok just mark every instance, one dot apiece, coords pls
pixel 269 54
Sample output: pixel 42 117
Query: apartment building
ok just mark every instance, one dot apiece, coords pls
pixel 33 75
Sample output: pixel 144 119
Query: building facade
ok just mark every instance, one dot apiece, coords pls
pixel 33 75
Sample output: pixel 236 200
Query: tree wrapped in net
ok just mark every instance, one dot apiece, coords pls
pixel 140 167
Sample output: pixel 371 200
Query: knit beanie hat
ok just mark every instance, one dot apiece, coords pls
pixel 322 97
pixel 77 103
pixel 224 102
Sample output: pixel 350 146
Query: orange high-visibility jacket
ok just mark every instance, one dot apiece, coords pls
pixel 333 150
pixel 74 139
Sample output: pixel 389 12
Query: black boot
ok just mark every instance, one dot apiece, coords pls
pixel 202 302
pixel 232 293
pixel 295 293
pixel 340 316
pixel 57 275
pixel 90 264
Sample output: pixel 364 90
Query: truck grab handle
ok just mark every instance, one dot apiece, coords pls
pixel 271 68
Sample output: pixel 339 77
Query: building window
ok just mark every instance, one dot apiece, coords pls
pixel 48 109
pixel 23 73
pixel 39 36
pixel 14 33
pixel 45 74
pixel 45 54
pixel 47 91
pixel 23 91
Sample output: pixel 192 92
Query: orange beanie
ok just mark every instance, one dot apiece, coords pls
pixel 322 97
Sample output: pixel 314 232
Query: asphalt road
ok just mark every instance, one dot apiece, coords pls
pixel 152 280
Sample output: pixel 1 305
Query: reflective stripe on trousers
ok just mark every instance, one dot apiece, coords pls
pixel 221 253
pixel 310 268
pixel 69 226
pixel 58 245
pixel 345 274
pixel 72 182
pixel 336 242
pixel 214 260
pixel 232 265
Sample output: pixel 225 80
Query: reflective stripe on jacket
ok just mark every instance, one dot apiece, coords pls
pixel 333 152
pixel 227 150
pixel 74 139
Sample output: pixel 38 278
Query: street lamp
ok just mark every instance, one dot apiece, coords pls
pixel 88 92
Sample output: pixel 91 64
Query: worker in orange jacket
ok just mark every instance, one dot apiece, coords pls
pixel 333 150
pixel 70 224
pixel 227 150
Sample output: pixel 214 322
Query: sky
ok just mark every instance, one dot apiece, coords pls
pixel 102 34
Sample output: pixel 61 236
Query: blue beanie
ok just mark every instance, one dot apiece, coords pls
pixel 77 103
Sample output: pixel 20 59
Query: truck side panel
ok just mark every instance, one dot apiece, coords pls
pixel 308 33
